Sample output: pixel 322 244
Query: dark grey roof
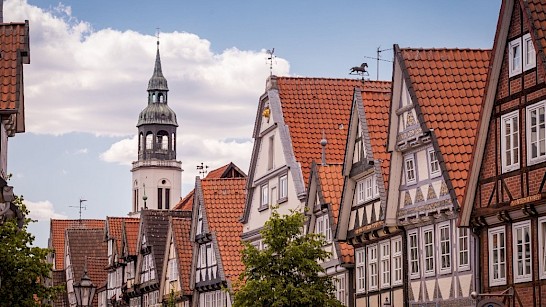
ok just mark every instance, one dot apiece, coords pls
pixel 157 113
pixel 155 225
pixel 157 81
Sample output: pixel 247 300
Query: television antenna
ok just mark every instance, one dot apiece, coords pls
pixel 378 58
pixel 81 207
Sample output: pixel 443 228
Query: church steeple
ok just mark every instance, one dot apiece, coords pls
pixel 156 169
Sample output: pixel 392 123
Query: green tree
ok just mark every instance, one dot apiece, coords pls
pixel 23 268
pixel 286 272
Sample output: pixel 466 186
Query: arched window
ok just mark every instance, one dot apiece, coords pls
pixel 173 141
pixel 160 97
pixel 164 194
pixel 149 140
pixel 163 140
pixel 153 97
pixel 140 141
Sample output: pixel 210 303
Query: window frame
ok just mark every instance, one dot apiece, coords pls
pixel 445 226
pixel 360 269
pixel 341 288
pixel 385 278
pixel 529 109
pixel 525 276
pixel 490 233
pixel 513 71
pixel 542 247
pixel 525 53
pixel 431 163
pixel 463 266
pixel 372 274
pixel 411 260
pixel 397 261
pixel 264 197
pixel 410 181
pixel 432 257
pixel 508 118
pixel 283 188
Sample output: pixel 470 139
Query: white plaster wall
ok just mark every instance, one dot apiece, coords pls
pixel 151 177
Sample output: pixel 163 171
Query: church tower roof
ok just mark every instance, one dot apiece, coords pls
pixel 157 81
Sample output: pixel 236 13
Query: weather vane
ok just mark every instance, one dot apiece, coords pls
pixel 271 57
pixel 360 70
pixel 202 169
pixel 81 206
pixel 157 35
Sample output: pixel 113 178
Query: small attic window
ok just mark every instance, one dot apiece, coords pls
pixel 529 60
pixel 514 57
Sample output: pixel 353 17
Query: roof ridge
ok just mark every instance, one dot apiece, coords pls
pixel 445 49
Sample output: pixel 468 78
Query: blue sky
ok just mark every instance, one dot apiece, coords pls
pixel 91 61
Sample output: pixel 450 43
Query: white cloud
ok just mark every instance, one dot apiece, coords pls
pixel 94 81
pixel 122 152
pixel 42 210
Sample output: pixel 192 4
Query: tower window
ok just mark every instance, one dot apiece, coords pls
pixel 163 140
pixel 149 141
pixel 167 199
pixel 140 141
pixel 159 198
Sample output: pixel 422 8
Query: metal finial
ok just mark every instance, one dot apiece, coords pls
pixel 270 57
pixel 202 169
pixel 323 143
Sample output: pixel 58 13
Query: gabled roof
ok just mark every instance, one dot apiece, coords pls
pixel 229 170
pixel 447 86
pixel 57 230
pixel 223 200
pixel 113 229
pixel 15 51
pixel 313 105
pixel 130 236
pixel 331 187
pixel 181 236
pixel 155 224
pixel 88 246
pixel 534 11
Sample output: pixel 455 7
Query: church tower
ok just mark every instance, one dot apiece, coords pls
pixel 157 175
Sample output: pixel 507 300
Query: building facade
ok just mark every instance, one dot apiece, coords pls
pixel 506 203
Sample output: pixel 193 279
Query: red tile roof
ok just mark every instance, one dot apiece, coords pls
pixel 313 105
pixel 331 184
pixel 181 234
pixel 449 86
pixel 376 106
pixel 537 19
pixel 14 50
pixel 130 228
pixel 224 201
pixel 229 170
pixel 57 230
pixel 113 229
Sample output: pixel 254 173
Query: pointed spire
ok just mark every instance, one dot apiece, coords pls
pixel 157 81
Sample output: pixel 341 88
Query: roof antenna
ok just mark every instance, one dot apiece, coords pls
pixel 323 143
pixel 377 59
pixel 360 70
pixel 202 170
pixel 271 57
pixel 81 206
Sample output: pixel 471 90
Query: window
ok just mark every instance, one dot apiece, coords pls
pixel 323 227
pixel 528 52
pixel 522 251
pixel 360 192
pixel 536 133
pixel 360 270
pixel 199 221
pixel 148 270
pixel 159 198
pixel 213 299
pixel 264 204
pixel 410 170
pixel 367 189
pixel 497 256
pixel 428 248
pixel 445 248
pixel 397 261
pixel 510 141
pixel 283 187
pixel 464 249
pixel 385 264
pixel 372 267
pixel 514 51
pixel 173 270
pixel 271 153
pixel 413 245
pixel 341 293
pixel 433 163
pixel 542 247
pixel 149 141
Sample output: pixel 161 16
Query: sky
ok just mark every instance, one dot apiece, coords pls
pixel 91 62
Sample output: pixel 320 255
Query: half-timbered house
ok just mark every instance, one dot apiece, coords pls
pixel 435 107
pixel 129 255
pixel 506 202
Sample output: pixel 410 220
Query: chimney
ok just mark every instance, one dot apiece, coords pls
pixel 323 143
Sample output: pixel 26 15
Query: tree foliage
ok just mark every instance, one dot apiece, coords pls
pixel 23 268
pixel 287 271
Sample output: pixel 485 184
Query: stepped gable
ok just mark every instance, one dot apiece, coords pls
pixel 376 108
pixel 57 230
pixel 313 105
pixel 331 185
pixel 181 234
pixel 449 87
pixel 224 201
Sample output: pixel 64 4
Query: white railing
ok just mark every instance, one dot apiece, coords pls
pixel 159 163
